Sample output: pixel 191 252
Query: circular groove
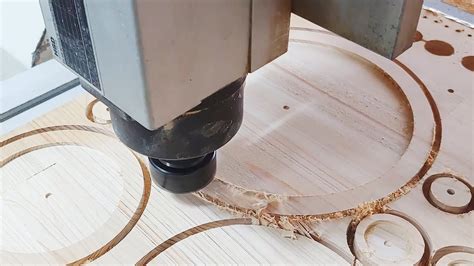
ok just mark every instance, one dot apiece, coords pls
pixel 444 251
pixel 92 117
pixel 427 184
pixel 190 232
pixel 382 238
pixel 375 205
pixel 428 247
pixel 146 180
pixel 219 224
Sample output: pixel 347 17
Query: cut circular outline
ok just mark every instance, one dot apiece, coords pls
pixel 440 253
pixel 351 229
pixel 441 206
pixel 190 232
pixel 374 205
pixel 94 119
pixel 208 226
pixel 136 214
pixel 364 248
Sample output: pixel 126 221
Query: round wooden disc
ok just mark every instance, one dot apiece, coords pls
pixel 327 126
pixel 71 196
pixel 58 207
pixel 451 193
pixel 383 239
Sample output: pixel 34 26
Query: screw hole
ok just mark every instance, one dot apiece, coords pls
pixel 286 107
pixel 451 91
pixel 107 109
pixel 425 17
pixel 469 35
pixel 451 191
pixel 48 195
pixel 459 30
pixel 387 243
pixel 446 26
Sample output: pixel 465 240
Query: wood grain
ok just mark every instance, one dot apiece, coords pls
pixel 340 149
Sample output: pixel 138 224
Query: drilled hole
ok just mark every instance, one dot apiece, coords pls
pixel 451 191
pixel 446 26
pixel 451 91
pixel 286 107
pixel 469 35
pixel 425 17
pixel 387 243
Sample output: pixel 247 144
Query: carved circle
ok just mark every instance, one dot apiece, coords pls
pixel 449 193
pixel 453 255
pixel 266 180
pixel 77 205
pixel 383 239
pixel 120 221
pixel 175 247
pixel 98 113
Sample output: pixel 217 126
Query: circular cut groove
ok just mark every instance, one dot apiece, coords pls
pixel 453 255
pixel 449 193
pixel 304 250
pixel 75 192
pixel 382 239
pixel 98 113
pixel 285 169
pixel 341 123
pixel 117 226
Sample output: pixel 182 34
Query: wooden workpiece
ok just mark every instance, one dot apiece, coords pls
pixel 344 157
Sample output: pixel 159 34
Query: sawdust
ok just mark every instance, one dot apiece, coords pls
pixel 299 224
pixel 262 202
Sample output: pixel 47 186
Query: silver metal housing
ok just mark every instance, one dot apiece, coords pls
pixel 156 59
pixel 386 27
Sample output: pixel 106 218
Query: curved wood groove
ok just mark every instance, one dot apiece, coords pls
pixel 146 181
pixel 440 253
pixel 306 231
pixel 90 114
pixel 453 210
pixel 426 238
pixel 35 148
pixel 190 232
pixel 218 224
pixel 351 229
pixel 56 128
pixel 133 221
pixel 375 206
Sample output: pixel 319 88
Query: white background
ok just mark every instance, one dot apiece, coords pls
pixel 21 25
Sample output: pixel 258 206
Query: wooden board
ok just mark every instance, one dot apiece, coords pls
pixel 344 157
